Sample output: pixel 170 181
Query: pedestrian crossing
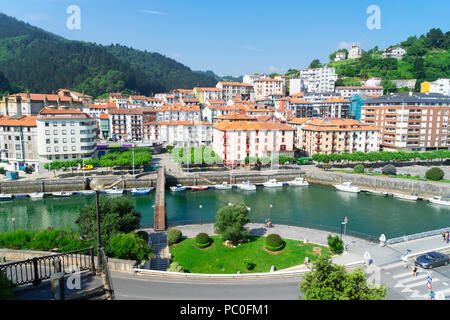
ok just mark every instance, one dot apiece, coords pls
pixel 399 277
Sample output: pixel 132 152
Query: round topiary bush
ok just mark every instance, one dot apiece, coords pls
pixel 173 236
pixel 434 174
pixel 202 240
pixel 274 242
pixel 358 169
pixel 389 170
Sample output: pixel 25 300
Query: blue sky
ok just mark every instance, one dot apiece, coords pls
pixel 236 37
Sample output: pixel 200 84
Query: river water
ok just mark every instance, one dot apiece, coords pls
pixel 316 206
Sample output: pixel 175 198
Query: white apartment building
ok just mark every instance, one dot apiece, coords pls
pixel 178 112
pixel 340 56
pixel 232 89
pixel 250 78
pixel 295 86
pixel 126 124
pixel 184 133
pixel 234 141
pixel 349 91
pixel 441 86
pixel 318 80
pixel 396 52
pixel 266 87
pixel 65 135
pixel 205 94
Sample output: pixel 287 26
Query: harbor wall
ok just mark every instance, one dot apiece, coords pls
pixel 381 183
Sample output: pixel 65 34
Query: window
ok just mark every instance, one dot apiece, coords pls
pixel 56 149
pixel 72 131
pixel 55 132
pixel 64 140
pixel 55 124
pixel 49 149
pixel 73 148
pixel 47 141
pixel 63 123
pixel 55 140
pixel 65 148
pixel 64 132
pixel 47 124
pixel 47 132
pixel 72 123
pixel 72 140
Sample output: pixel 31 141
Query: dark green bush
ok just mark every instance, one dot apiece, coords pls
pixel 128 246
pixel 202 240
pixel 274 242
pixel 434 174
pixel 389 170
pixel 358 169
pixel 336 244
pixel 248 264
pixel 143 235
pixel 6 292
pixel 173 236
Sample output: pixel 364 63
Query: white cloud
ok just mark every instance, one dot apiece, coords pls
pixel 152 12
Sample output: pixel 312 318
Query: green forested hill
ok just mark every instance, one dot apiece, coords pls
pixel 42 62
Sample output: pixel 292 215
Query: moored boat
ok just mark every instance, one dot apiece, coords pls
pixel 347 187
pixel 272 183
pixel 298 182
pixel 178 188
pixel 405 196
pixel 113 191
pixel 141 191
pixel 36 195
pixel 223 186
pixel 199 188
pixel 62 194
pixel 246 185
pixel 439 200
pixel 4 197
pixel 376 193
pixel 86 192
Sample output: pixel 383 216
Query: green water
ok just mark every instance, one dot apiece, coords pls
pixel 318 205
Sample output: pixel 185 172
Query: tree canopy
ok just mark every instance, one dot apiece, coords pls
pixel 230 222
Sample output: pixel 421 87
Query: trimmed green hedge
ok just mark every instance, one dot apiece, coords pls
pixel 434 174
pixel 274 242
pixel 173 236
pixel 202 240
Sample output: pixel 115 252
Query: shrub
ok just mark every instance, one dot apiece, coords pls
pixel 434 174
pixel 358 169
pixel 336 245
pixel 173 236
pixel 6 292
pixel 389 170
pixel 327 166
pixel 128 246
pixel 274 242
pixel 143 235
pixel 248 264
pixel 202 240
pixel 175 267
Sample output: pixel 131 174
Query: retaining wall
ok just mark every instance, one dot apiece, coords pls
pixel 422 188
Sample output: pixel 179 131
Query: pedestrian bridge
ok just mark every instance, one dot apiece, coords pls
pixel 160 208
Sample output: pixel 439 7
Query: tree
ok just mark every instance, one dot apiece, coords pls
pixel 175 267
pixel 230 221
pixel 116 216
pixel 129 246
pixel 327 281
pixel 388 86
pixel 434 174
pixel 315 64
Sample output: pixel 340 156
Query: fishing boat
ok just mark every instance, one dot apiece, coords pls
pixel 272 183
pixel 199 188
pixel 405 196
pixel 86 192
pixel 178 188
pixel 347 187
pixel 23 195
pixel 4 197
pixel 439 200
pixel 62 194
pixel 246 185
pixel 376 193
pixel 113 191
pixel 223 186
pixel 36 195
pixel 298 182
pixel 141 191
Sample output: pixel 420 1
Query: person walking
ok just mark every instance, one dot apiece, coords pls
pixel 414 270
pixel 443 236
pixel 447 237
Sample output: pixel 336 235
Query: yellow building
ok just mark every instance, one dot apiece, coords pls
pixel 425 86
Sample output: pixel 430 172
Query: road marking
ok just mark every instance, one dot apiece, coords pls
pixel 402 275
pixel 401 283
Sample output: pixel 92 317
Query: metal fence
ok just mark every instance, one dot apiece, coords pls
pixel 417 236
pixel 37 269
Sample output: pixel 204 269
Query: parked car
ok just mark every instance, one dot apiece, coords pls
pixel 88 167
pixel 432 259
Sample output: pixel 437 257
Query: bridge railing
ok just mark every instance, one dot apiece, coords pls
pixel 417 236
pixel 41 268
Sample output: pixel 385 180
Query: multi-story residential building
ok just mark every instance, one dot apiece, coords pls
pixel 232 89
pixel 340 56
pixel 205 94
pixel 396 52
pixel 95 110
pixel 441 86
pixel 118 100
pixel 266 87
pixel 64 134
pixel 180 94
pixel 184 133
pixel 410 121
pixel 250 78
pixel 178 112
pixel 348 91
pixel 18 142
pixel 331 108
pixel 295 86
pixel 137 100
pixel 355 52
pixel 104 126
pixel 318 80
pixel 126 124
pixel 31 103
pixel 234 116
pixel 209 113
pixel 297 124
pixel 154 102
pixel 328 135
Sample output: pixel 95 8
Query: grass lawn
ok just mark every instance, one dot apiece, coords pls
pixel 218 258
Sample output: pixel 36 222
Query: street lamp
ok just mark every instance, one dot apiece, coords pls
pixel 97 185
pixel 270 217
pixel 14 223
pixel 200 213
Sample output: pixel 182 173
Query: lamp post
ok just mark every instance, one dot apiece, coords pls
pixel 270 216
pixel 200 213
pixel 14 223
pixel 97 185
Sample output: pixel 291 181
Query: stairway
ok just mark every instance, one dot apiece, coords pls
pixel 161 250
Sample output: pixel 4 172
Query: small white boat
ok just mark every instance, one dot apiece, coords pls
pixel 86 192
pixel 4 197
pixel 199 188
pixel 298 182
pixel 439 200
pixel 223 186
pixel 113 191
pixel 347 187
pixel 246 185
pixel 405 196
pixel 272 183
pixel 141 191
pixel 376 193
pixel 36 195
pixel 62 194
pixel 178 188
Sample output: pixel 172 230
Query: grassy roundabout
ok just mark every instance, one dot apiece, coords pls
pixel 220 259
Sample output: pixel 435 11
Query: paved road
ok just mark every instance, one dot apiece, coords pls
pixel 128 287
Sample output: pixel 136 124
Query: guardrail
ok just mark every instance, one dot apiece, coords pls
pixel 417 236
pixel 37 269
